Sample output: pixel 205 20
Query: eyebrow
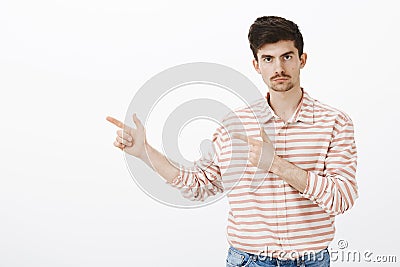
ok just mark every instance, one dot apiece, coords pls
pixel 284 54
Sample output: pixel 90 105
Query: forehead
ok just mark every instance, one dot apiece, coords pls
pixel 277 49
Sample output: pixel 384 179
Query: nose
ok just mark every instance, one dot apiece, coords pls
pixel 279 69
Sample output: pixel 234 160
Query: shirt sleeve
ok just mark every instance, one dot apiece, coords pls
pixel 336 190
pixel 203 179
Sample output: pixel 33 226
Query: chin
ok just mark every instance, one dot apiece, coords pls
pixel 281 89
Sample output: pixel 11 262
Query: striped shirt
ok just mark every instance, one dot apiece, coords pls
pixel 266 214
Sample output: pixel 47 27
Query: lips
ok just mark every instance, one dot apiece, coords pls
pixel 280 79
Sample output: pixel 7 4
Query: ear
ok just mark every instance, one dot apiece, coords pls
pixel 256 66
pixel 303 60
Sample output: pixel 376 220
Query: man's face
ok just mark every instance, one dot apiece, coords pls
pixel 279 65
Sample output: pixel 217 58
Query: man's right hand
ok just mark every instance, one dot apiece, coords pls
pixel 132 141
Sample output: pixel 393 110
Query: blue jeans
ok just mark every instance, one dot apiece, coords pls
pixel 237 258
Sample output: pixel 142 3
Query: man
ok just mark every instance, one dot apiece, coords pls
pixel 289 168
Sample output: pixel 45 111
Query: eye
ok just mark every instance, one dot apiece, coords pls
pixel 287 57
pixel 268 59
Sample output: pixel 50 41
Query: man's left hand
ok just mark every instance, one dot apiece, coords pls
pixel 262 153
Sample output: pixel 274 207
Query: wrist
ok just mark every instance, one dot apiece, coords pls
pixel 147 150
pixel 275 164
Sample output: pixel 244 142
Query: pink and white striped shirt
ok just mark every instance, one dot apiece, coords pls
pixel 266 214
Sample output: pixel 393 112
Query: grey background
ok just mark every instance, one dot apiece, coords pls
pixel 66 196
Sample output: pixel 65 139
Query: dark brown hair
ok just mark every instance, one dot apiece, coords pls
pixel 272 29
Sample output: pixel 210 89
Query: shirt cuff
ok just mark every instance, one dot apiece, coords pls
pixel 311 186
pixel 178 180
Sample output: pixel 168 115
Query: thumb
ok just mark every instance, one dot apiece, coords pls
pixel 264 136
pixel 137 122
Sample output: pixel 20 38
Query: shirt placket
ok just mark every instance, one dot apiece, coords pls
pixel 281 211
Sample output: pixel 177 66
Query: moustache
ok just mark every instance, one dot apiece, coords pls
pixel 280 76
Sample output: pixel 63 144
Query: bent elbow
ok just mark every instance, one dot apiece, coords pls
pixel 340 203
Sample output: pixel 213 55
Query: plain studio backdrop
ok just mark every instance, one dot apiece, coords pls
pixel 66 195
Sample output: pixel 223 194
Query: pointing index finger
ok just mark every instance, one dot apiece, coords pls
pixel 264 136
pixel 245 139
pixel 116 122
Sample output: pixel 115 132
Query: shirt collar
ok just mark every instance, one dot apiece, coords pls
pixel 304 113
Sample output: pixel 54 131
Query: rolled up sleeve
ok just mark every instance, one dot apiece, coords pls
pixel 203 179
pixel 336 189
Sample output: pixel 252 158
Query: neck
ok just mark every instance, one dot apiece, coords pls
pixel 284 104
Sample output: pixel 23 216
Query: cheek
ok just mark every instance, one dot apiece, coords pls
pixel 294 68
pixel 265 71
